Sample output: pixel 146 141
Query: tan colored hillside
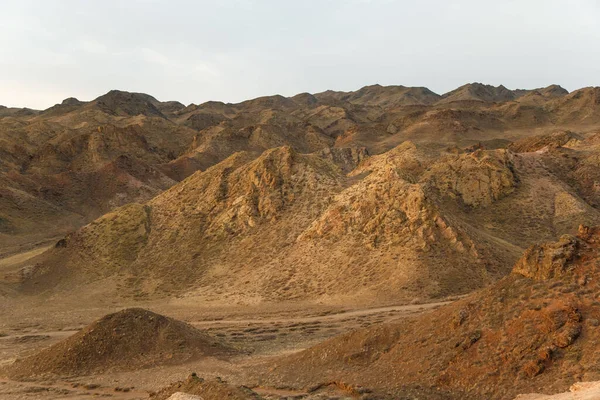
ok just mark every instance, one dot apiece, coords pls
pixel 56 154
pixel 535 328
pixel 401 225
pixel 63 167
pixel 313 233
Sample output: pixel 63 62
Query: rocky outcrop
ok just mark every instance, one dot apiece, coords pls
pixel 556 259
pixel 515 336
pixel 238 197
pixel 542 142
pixel 408 162
pixel 579 391
pixel 384 210
pixel 347 158
pixel 477 179
pixel 548 260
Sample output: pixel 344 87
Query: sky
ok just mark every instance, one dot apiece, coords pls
pixel 233 50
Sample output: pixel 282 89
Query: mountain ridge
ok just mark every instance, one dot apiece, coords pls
pixel 82 160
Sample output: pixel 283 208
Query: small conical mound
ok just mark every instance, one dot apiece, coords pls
pixel 127 340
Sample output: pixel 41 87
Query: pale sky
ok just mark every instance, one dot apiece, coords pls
pixel 233 50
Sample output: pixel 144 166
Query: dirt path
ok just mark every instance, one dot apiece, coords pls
pixel 50 334
pixel 404 309
pixel 401 309
pixel 11 266
pixel 21 257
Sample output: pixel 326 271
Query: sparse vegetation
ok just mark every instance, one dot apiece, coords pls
pixel 326 223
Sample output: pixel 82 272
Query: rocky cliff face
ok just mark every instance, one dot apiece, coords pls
pixel 478 178
pixel 549 260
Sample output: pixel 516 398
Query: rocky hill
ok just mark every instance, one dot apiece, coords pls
pixel 480 92
pixel 357 202
pixel 332 226
pixel 537 327
pixel 392 183
pixel 386 97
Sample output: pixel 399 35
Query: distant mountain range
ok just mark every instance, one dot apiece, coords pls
pixel 385 192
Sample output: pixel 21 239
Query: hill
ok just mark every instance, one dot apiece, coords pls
pixel 479 92
pixel 332 226
pixel 127 340
pixel 382 96
pixel 536 328
pixel 295 186
pixel 307 216
pixel 84 136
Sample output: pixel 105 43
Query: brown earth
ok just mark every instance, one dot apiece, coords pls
pixel 538 327
pixel 400 225
pixel 337 201
pixel 260 332
pixel 57 164
pixel 208 390
pixel 131 339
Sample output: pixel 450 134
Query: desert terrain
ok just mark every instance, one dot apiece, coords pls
pixel 386 243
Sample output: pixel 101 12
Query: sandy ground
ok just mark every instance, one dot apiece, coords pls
pixel 262 332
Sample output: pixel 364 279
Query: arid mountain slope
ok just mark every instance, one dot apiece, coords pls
pixel 359 202
pixel 535 328
pixel 45 148
pixel 382 96
pixel 287 186
pixel 401 225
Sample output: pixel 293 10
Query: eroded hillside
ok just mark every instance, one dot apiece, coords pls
pixel 535 328
pixel 379 195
